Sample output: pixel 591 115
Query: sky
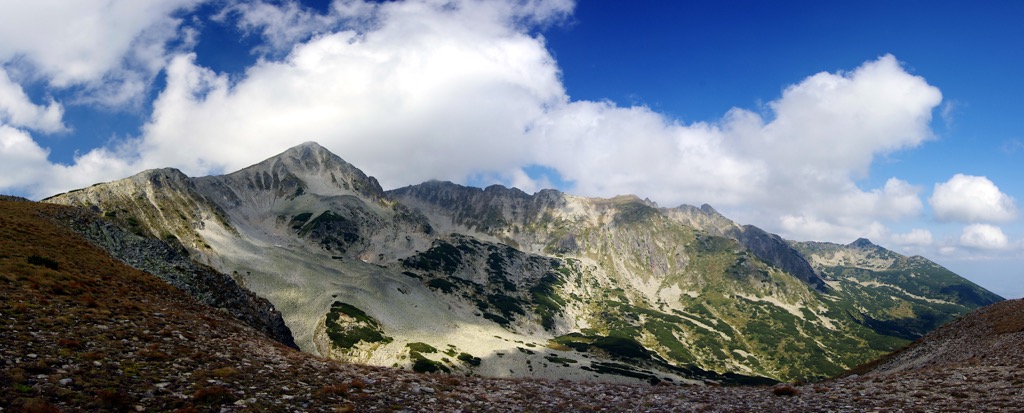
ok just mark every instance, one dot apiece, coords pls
pixel 900 122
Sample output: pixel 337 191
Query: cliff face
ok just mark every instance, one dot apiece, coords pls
pixel 499 282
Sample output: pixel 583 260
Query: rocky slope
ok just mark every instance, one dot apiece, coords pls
pixel 497 282
pixel 170 263
pixel 738 285
pixel 84 332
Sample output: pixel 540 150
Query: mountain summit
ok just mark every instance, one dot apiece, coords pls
pixel 497 282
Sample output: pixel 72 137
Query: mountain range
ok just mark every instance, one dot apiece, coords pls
pixel 497 282
pixel 84 331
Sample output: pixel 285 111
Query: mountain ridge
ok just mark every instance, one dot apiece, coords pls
pixel 652 289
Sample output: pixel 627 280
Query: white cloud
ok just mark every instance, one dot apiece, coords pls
pixel 427 89
pixel 25 166
pixel 17 109
pixel 798 167
pixel 809 227
pixel 966 198
pixel 840 121
pixel 23 161
pixel 283 25
pixel 447 91
pixel 112 47
pixel 917 237
pixel 983 236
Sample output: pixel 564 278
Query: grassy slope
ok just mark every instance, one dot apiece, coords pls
pixel 70 312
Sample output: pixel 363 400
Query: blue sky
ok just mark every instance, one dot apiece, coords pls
pixel 896 121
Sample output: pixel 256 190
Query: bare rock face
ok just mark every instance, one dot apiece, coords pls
pixel 498 282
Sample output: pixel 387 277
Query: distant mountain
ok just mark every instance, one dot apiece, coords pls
pixel 498 282
pixel 892 294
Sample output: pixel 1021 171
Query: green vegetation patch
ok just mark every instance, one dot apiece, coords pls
pixel 330 225
pixel 299 220
pixel 442 284
pixel 469 359
pixel 623 370
pixel 546 300
pixel 509 306
pixel 443 256
pixel 348 325
pixel 615 344
pixel 421 348
pixel 560 360
pixel 422 364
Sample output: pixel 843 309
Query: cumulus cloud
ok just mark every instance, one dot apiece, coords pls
pixel 24 162
pixel 449 91
pixel 798 165
pixel 423 89
pixel 966 198
pixel 26 169
pixel 17 109
pixel 111 47
pixel 284 25
pixel 917 237
pixel 983 236
pixel 840 121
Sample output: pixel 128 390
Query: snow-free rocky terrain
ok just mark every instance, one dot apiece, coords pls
pixel 499 283
pixel 82 331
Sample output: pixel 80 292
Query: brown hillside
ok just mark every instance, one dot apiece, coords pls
pixel 992 336
pixel 80 331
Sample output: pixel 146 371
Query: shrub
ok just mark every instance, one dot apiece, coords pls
pixel 38 406
pixel 441 284
pixel 469 359
pixel 421 348
pixel 114 399
pixel 785 389
pixel 213 395
pixel 333 390
pixel 43 262
pixel 424 365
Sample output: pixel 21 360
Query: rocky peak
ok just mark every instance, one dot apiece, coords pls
pixel 709 210
pixel 862 243
pixel 306 168
pixel 311 157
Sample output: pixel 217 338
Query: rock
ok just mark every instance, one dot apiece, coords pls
pixel 65 382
